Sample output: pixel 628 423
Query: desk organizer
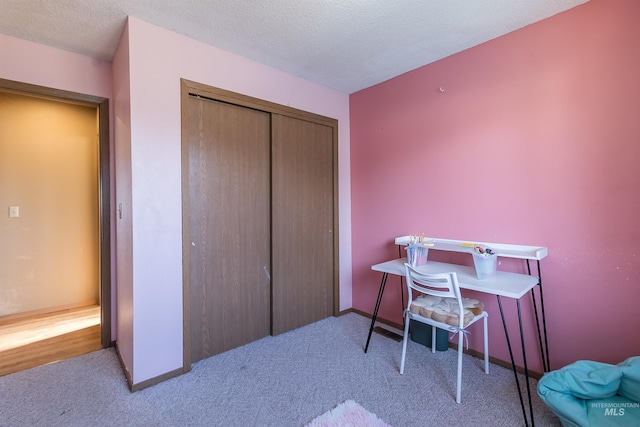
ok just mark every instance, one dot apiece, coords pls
pixel 485 260
pixel 417 254
pixel 485 265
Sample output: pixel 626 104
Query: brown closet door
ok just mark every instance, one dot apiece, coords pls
pixel 229 192
pixel 302 230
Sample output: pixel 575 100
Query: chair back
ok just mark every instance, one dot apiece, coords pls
pixel 443 285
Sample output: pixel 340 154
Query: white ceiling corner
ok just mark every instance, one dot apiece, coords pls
pixel 346 45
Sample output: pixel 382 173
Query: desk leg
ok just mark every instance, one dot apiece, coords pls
pixel 404 306
pixel 375 311
pixel 544 320
pixel 513 363
pixel 544 349
pixel 404 318
pixel 526 369
pixel 535 311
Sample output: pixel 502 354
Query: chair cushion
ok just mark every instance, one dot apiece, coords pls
pixel 446 310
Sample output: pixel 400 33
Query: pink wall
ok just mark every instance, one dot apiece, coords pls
pixel 33 63
pixel 533 141
pixel 36 64
pixel 150 63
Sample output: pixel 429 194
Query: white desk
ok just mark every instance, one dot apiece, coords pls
pixel 502 284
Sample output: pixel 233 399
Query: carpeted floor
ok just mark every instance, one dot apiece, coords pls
pixel 287 380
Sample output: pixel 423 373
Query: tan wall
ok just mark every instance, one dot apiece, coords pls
pixel 49 255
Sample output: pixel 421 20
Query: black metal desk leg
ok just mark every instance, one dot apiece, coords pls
pixel 513 363
pixel 544 319
pixel 375 311
pixel 526 369
pixel 403 307
pixel 544 348
pixel 535 311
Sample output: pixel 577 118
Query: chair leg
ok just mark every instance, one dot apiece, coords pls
pixel 459 379
pixel 486 346
pixel 433 339
pixel 407 321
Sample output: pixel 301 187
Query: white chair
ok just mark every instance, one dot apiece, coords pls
pixel 441 307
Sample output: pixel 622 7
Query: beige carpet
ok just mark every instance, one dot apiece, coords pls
pixel 287 380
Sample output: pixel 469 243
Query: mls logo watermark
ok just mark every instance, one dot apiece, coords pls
pixel 614 412
pixel 615 409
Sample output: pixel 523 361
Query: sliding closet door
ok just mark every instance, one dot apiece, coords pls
pixel 302 230
pixel 229 225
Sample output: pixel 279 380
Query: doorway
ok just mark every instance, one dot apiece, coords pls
pixel 55 192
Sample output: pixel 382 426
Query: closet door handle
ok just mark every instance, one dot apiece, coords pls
pixel 266 272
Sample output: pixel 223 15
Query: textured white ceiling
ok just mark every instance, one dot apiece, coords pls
pixel 347 45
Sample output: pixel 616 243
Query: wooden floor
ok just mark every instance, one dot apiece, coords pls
pixel 46 338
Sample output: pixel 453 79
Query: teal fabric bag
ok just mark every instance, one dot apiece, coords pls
pixel 630 382
pixel 588 393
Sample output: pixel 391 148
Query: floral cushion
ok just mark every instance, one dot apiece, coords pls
pixel 446 310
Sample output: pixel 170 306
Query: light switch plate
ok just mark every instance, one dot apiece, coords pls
pixel 14 211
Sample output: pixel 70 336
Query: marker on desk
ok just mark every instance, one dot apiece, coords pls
pixel 483 251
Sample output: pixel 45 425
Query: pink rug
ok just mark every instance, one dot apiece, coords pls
pixel 347 414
